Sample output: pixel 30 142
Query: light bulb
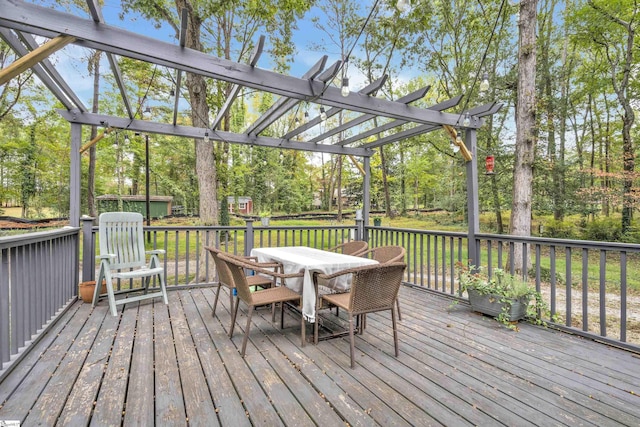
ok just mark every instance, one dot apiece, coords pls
pixel 403 5
pixel 206 136
pixel 126 139
pixel 345 87
pixel 323 114
pixel 455 147
pixel 306 116
pixel 467 119
pixel 484 84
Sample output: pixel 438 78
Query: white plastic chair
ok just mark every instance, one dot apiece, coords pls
pixel 123 256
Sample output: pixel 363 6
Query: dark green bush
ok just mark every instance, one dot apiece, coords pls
pixel 603 230
pixel 559 229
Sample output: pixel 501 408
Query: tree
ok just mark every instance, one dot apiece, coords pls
pixel 610 27
pixel 526 128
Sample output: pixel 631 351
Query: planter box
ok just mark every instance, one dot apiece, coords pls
pixel 491 305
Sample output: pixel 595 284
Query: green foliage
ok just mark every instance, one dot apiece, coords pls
pixel 505 287
pixel 604 230
pixel 559 229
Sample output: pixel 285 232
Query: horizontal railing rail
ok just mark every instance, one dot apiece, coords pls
pixel 38 282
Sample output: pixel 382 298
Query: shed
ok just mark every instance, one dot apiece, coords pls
pixel 245 204
pixel 159 206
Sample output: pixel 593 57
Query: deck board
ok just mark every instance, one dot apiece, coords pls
pixel 175 365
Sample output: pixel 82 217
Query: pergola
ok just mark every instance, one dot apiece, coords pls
pixel 21 21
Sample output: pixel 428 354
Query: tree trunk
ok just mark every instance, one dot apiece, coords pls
pixel 526 131
pixel 205 159
pixel 91 178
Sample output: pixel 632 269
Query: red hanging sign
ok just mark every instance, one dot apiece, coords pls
pixel 489 163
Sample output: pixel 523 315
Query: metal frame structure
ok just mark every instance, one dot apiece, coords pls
pixel 20 21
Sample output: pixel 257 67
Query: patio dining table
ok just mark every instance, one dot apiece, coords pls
pixel 302 259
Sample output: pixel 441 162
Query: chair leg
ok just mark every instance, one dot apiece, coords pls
pixel 303 328
pixel 398 308
pixel 246 330
pixel 315 328
pixel 215 300
pixel 395 330
pixel 282 315
pixel 163 287
pixel 352 340
pixel 233 319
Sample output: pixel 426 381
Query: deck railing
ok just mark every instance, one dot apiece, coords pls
pixel 38 281
pixel 592 288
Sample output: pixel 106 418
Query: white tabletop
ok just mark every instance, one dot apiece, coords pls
pixel 302 259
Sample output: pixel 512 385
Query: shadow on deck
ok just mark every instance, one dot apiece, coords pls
pixel 176 366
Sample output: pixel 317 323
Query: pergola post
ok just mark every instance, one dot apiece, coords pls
pixel 473 207
pixel 75 175
pixel 366 195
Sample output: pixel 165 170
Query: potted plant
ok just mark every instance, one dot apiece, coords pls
pixel 377 221
pixel 504 296
pixel 265 215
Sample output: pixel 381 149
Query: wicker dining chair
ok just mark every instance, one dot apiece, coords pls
pixel 373 288
pixel 272 296
pixel 352 247
pixel 225 279
pixel 386 254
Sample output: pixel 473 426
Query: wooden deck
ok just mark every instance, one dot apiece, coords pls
pixel 175 365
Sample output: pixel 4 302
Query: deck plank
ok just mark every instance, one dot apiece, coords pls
pixel 140 409
pixel 226 400
pixel 197 398
pixel 109 407
pixel 170 408
pixel 175 365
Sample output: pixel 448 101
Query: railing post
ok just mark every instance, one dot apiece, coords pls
pixel 248 237
pixel 359 225
pixel 88 251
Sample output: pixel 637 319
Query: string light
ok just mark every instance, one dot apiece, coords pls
pixel 467 119
pixel 323 114
pixel 126 138
pixel 484 84
pixel 306 116
pixel 206 136
pixel 345 87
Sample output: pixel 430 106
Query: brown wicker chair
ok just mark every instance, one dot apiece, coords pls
pixel 373 288
pixel 225 279
pixel 352 247
pixel 279 294
pixel 386 254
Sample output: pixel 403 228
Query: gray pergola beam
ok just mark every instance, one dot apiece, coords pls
pixel 96 14
pixel 44 21
pixel 367 90
pixel 235 89
pixel 417 130
pixel 387 126
pixel 407 99
pixel 144 126
pixel 44 70
pixel 282 105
